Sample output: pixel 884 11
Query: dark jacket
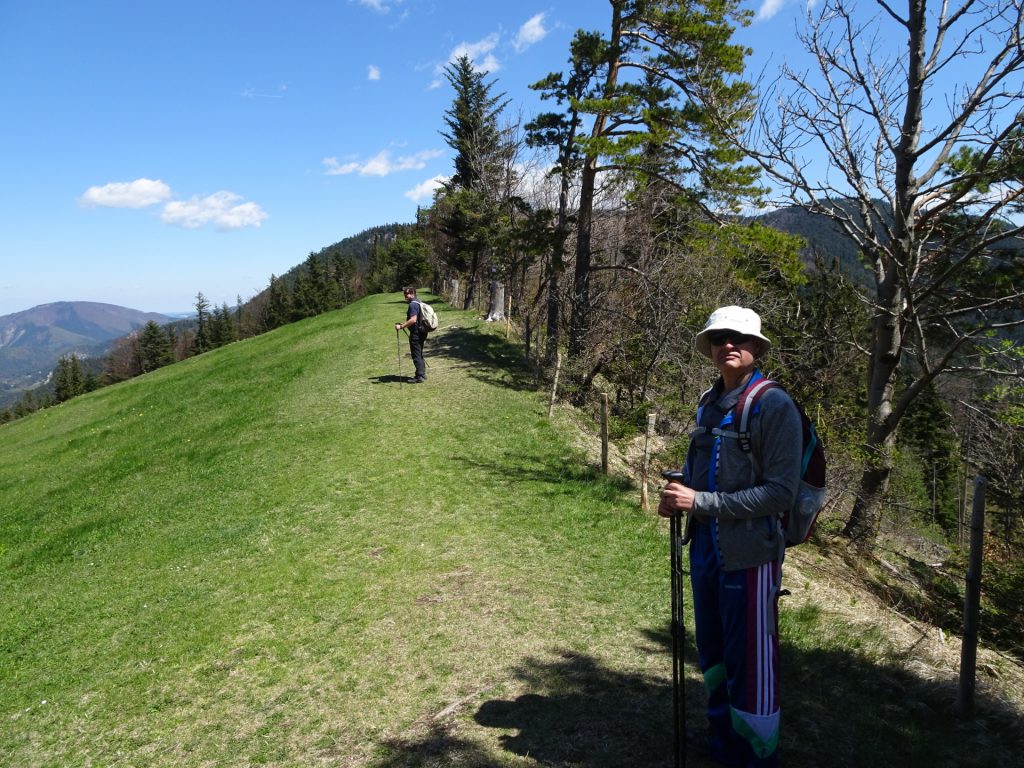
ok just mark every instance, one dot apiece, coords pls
pixel 752 489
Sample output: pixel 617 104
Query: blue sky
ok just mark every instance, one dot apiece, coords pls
pixel 150 150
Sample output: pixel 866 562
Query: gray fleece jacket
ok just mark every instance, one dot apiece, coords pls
pixel 752 489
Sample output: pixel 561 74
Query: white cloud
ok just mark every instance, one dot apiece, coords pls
pixel 277 93
pixel 425 190
pixel 372 72
pixel 334 168
pixel 771 7
pixel 381 6
pixel 140 193
pixel 480 53
pixel 222 209
pixel 531 32
pixel 489 64
pixel 380 164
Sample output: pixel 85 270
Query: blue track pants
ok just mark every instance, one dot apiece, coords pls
pixel 737 619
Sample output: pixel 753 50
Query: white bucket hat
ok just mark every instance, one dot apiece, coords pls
pixel 739 319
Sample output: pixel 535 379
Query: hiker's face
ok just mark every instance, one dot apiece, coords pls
pixel 735 354
pixel 408 297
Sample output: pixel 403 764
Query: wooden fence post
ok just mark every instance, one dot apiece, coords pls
pixel 972 604
pixel 652 418
pixel 554 386
pixel 604 433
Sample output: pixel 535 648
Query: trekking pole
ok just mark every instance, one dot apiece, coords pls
pixel 398 346
pixel 676 530
pixel 678 638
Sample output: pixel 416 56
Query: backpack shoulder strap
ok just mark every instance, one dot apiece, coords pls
pixel 701 402
pixel 746 407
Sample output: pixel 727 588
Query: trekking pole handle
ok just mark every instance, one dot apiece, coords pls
pixel 675 476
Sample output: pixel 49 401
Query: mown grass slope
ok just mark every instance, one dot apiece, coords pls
pixel 279 554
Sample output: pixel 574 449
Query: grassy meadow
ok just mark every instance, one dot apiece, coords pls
pixel 279 554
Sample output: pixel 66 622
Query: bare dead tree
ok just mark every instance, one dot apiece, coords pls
pixel 905 130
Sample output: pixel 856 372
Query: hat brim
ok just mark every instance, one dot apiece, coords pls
pixel 703 343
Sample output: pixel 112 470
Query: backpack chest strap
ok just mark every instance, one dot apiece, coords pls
pixel 732 434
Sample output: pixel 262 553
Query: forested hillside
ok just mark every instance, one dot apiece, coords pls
pixel 57 351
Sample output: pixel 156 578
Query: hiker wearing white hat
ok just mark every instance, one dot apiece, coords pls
pixel 736 320
pixel 735 488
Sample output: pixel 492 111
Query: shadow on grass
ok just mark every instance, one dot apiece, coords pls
pixel 390 379
pixel 572 475
pixel 582 714
pixel 492 359
pixel 838 710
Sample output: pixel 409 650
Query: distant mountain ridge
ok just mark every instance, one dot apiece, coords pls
pixel 827 240
pixel 33 340
pixel 824 238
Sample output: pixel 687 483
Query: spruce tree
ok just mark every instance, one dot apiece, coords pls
pixel 279 304
pixel 68 381
pixel 155 347
pixel 202 341
pixel 470 207
pixel 472 122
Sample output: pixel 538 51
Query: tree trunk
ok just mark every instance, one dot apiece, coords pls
pixel 579 323
pixel 471 281
pixel 554 332
pixel 496 305
pixel 880 440
pixel 888 343
pixel 557 265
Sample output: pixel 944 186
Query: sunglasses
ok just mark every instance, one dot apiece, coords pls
pixel 721 338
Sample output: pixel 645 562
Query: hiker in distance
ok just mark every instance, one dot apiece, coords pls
pixel 417 333
pixel 733 496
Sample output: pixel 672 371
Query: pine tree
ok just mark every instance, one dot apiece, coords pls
pixel 472 122
pixel 202 341
pixel 222 327
pixel 470 207
pixel 156 350
pixel 172 341
pixel 309 296
pixel 684 100
pixel 559 131
pixel 68 381
pixel 279 304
